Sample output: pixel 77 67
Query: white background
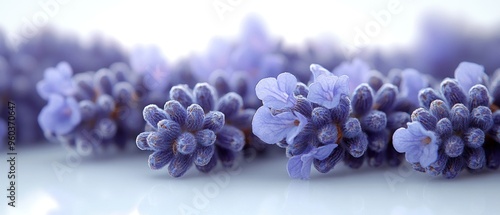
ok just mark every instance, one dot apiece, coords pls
pixel 179 27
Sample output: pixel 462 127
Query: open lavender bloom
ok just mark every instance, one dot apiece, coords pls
pixel 419 144
pixel 60 116
pixel 56 81
pixel 195 127
pixel 362 120
pixel 455 129
pixel 311 122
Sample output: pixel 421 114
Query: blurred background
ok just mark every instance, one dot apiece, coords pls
pixel 432 37
pixel 194 38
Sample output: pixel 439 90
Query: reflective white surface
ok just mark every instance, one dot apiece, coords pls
pixel 122 183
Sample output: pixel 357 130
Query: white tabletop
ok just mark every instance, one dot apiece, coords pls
pixel 122 183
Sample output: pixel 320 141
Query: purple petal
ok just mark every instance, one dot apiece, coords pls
pixel 277 93
pixel 412 82
pixel 420 145
pixel 60 115
pixel 294 167
pixel 318 70
pixel 469 74
pixel 273 128
pixel 328 89
pixel 413 154
pixel 429 155
pixel 323 152
pixel 307 160
pixel 56 81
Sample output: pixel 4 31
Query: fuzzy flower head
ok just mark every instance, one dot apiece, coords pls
pixel 277 93
pixel 420 145
pixel 60 116
pixel 326 90
pixel 56 81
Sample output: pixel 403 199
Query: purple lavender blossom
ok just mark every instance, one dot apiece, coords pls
pixel 419 144
pixel 60 116
pixel 459 118
pixel 327 90
pixel 56 81
pixel 277 93
pixel 299 166
pixel 272 128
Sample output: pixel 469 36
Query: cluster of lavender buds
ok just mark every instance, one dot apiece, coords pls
pixel 195 126
pixel 457 127
pixel 91 110
pixel 22 65
pixel 325 122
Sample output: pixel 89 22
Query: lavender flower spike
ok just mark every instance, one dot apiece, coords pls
pixel 273 128
pixel 420 145
pixel 277 93
pixel 326 91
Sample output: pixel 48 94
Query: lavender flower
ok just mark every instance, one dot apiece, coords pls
pixel 419 144
pixel 450 132
pixel 272 128
pixel 195 127
pixel 277 93
pixel 309 121
pixel 60 116
pixel 56 81
pixel 299 166
pixel 326 91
